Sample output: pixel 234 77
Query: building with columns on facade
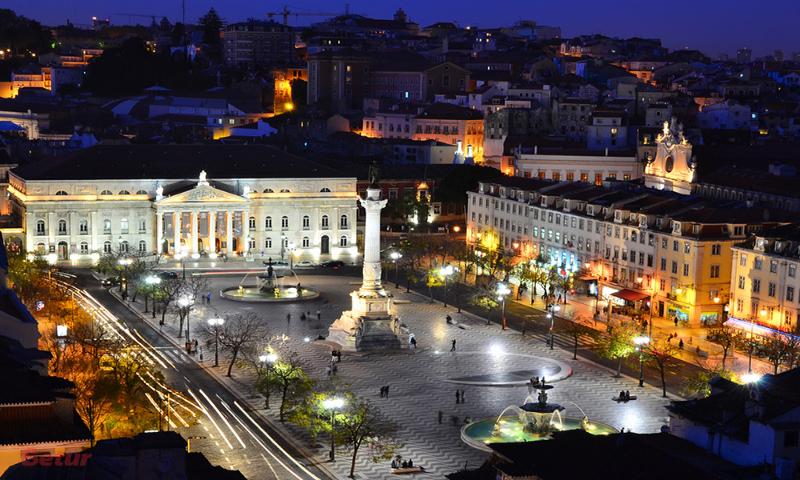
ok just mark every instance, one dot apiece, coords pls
pixel 191 200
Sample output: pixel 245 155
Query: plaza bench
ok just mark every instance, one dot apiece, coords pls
pixel 407 470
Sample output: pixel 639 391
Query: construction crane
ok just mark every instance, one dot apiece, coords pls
pixel 286 12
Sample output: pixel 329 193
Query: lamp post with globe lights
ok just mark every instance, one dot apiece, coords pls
pixel 332 404
pixel 446 271
pixel 502 292
pixel 396 256
pixel 151 281
pixel 215 324
pixel 551 309
pixel 641 341
pixel 185 303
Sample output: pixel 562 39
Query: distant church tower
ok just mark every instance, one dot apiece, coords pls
pixel 673 168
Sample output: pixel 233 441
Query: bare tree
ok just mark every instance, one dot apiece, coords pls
pixel 167 293
pixel 239 332
pixel 578 327
pixel 780 350
pixel 360 422
pixel 660 354
pixel 727 338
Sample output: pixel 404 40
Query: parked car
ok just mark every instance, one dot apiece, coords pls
pixel 109 282
pixel 167 275
pixel 332 264
pixel 304 264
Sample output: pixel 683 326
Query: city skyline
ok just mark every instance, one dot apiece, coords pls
pixel 762 30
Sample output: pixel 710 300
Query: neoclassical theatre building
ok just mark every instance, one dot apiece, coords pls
pixel 192 200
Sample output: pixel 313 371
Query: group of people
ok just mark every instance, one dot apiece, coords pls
pixel 304 315
pixel 385 391
pixel 460 396
pixel 207 298
pixel 625 396
pixel 398 462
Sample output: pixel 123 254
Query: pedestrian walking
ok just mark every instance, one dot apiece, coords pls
pixel 209 297
pixel 288 318
pixel 386 391
pixel 319 315
pixel 675 319
pixel 449 319
pixel 463 398
pixel 458 396
pixel 413 342
pixel 441 414
pixel 680 344
pixel 453 346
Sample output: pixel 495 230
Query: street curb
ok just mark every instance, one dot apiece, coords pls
pixel 285 435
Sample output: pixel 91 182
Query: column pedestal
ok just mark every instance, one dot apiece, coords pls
pixel 229 232
pixel 212 233
pixel 194 235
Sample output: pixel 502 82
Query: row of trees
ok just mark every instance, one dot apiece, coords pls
pixel 778 350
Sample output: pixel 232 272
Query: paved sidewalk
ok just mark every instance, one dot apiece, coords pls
pixel 421 382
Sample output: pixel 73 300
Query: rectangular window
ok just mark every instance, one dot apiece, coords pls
pixel 771 289
pixel 756 286
pixel 773 266
pixel 685 269
pixel 716 249
pixel 741 281
pixel 686 247
pixel 789 294
pixel 743 260
pixel 757 262
pixel 714 271
pixel 674 267
pixel 792 270
pixel 674 245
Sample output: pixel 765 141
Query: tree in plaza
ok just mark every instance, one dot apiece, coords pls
pixel 433 280
pixel 28 277
pixel 699 384
pixel 578 327
pixel 727 338
pixel 618 344
pixel 238 333
pixel 660 354
pixel 287 377
pixel 564 283
pixel 781 350
pixel 95 395
pixel 361 422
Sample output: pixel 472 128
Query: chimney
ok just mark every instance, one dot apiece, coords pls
pixel 536 149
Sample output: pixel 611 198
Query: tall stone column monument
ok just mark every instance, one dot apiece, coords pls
pixel 371 323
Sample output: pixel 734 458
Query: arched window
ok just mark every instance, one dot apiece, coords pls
pixel 268 190
pixel 61 192
pixel 284 222
pixel 343 221
pixel 142 246
pixel 142 226
pixel 106 247
pixel 62 227
pixel 83 227
pixel 123 225
pixel 325 223
pixel 141 192
pixel 284 242
pixel 325 190
pixel 285 190
pixel 124 192
pixel 40 227
pixel 251 223
pixel 106 192
pixel 306 222
pixel 306 243
pixel 343 241
pixel 123 247
pixel 106 226
pixel 84 247
pixel 268 242
pixel 268 223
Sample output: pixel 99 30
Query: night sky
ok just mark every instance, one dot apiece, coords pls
pixel 714 26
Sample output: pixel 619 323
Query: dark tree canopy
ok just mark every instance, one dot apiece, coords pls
pixel 130 68
pixel 23 34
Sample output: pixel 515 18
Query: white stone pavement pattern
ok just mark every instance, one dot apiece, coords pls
pixel 418 379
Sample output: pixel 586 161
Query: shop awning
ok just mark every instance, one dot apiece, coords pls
pixel 759 330
pixel 630 295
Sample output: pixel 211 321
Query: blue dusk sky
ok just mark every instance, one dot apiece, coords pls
pixel 714 26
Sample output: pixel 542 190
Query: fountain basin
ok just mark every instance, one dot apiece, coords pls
pixel 256 293
pixel 511 429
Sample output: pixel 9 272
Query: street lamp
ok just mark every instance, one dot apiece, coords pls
pixel 292 248
pixel 396 256
pixel 446 271
pixel 185 302
pixel 641 341
pixel 551 309
pixel 502 291
pixel 333 404
pixel 215 323
pixel 124 263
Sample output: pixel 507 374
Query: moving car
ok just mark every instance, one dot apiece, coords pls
pixel 167 275
pixel 304 264
pixel 109 282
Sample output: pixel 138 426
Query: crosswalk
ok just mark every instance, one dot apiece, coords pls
pixel 175 354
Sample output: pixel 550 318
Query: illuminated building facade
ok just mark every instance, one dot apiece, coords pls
pixel 253 201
